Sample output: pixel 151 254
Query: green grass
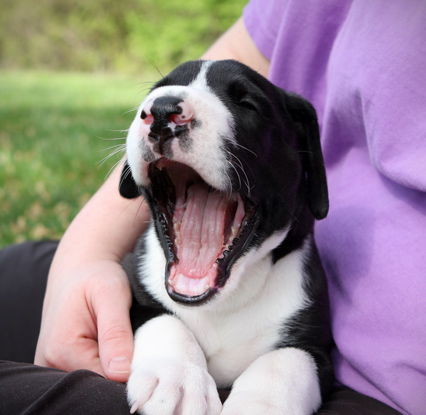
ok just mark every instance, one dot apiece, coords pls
pixel 55 128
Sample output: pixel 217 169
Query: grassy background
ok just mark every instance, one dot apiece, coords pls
pixel 70 71
pixel 110 35
pixel 55 128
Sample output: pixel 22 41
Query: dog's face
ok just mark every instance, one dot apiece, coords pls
pixel 225 160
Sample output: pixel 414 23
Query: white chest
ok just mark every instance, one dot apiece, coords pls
pixel 233 338
pixel 248 318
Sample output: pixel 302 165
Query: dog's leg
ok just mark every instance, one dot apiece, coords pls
pixel 169 372
pixel 282 382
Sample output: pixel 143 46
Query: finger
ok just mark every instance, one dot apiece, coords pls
pixel 69 343
pixel 80 354
pixel 84 355
pixel 115 334
pixel 115 343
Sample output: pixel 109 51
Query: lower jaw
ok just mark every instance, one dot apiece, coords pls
pixel 189 287
pixel 190 300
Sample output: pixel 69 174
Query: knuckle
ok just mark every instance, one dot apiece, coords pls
pixel 114 335
pixel 52 357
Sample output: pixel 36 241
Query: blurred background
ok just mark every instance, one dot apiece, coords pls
pixel 71 76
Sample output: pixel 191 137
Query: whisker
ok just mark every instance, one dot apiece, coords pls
pixel 118 149
pixel 131 110
pixel 114 166
pixel 112 169
pixel 112 139
pixel 245 148
pixel 142 201
pixel 114 146
pixel 228 179
pixel 236 171
pixel 145 86
pixel 240 164
pixel 125 173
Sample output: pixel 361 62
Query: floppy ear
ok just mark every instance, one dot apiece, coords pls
pixel 128 187
pixel 307 130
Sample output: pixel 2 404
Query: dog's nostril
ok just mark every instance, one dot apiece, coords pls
pixel 165 107
pixel 148 119
pixel 181 119
pixel 184 116
pixel 160 114
pixel 170 109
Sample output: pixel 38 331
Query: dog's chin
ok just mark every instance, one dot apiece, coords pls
pixel 203 231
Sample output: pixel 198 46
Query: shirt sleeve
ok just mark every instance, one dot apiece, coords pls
pixel 262 20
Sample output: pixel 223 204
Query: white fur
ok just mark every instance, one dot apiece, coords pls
pixel 235 337
pixel 206 155
pixel 169 372
pixel 179 360
pixel 239 326
pixel 244 319
pixel 281 382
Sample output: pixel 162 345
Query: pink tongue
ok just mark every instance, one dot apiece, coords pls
pixel 202 229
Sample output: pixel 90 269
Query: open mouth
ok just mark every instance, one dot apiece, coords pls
pixel 203 231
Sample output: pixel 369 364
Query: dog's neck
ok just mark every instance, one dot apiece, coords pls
pixel 301 227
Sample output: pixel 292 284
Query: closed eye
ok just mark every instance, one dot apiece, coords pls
pixel 251 100
pixel 248 105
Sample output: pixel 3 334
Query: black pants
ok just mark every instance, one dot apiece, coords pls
pixel 29 389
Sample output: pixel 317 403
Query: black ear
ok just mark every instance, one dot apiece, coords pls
pixel 128 187
pixel 305 118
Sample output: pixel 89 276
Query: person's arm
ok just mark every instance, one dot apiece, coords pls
pixel 86 321
pixel 237 44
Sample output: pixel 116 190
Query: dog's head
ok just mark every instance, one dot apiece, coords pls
pixel 225 160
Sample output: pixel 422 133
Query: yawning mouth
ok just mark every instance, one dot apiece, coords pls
pixel 203 231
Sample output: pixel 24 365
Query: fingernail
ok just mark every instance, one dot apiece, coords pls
pixel 119 364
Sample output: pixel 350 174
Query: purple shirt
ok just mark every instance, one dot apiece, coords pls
pixel 363 66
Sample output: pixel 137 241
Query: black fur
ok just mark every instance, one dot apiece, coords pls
pixel 265 114
pixel 284 183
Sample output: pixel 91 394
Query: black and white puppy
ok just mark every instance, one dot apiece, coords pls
pixel 231 289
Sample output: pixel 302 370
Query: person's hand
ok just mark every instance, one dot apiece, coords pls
pixel 86 323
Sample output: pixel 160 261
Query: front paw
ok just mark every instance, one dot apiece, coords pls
pixel 282 382
pixel 172 388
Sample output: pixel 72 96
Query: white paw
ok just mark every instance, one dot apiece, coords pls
pixel 172 388
pixel 282 382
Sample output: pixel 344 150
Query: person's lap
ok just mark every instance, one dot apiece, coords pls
pixel 31 389
pixel 23 277
pixel 27 388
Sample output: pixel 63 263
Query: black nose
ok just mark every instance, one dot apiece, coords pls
pixel 162 109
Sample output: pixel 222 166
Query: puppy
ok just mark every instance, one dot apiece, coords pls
pixel 229 286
